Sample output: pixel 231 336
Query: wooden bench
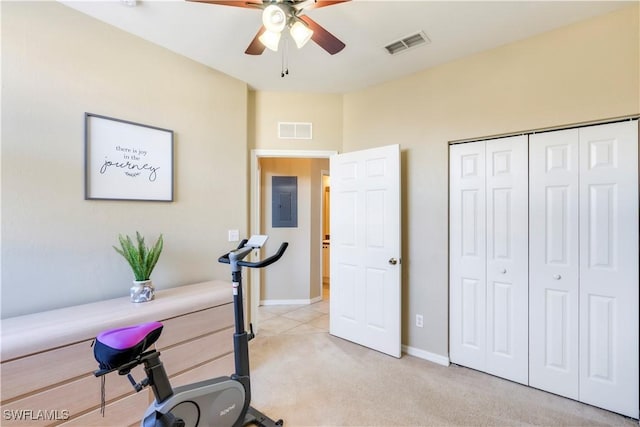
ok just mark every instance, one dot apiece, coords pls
pixel 47 360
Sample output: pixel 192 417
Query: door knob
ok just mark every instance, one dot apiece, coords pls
pixel 393 261
pixel 557 276
pixel 503 271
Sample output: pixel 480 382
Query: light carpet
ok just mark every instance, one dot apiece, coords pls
pixel 315 379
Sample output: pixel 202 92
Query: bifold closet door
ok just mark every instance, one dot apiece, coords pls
pixel 468 259
pixel 609 267
pixel 584 265
pixel 488 259
pixel 507 258
pixel 554 264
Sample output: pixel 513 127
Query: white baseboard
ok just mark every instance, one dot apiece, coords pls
pixel 290 301
pixel 426 355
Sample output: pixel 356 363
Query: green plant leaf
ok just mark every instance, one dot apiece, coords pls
pixel 141 259
pixel 154 255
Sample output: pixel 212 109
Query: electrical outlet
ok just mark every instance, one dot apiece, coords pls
pixel 419 321
pixel 234 235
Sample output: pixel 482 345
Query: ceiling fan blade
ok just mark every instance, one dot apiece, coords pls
pixel 322 3
pixel 322 37
pixel 238 3
pixel 256 47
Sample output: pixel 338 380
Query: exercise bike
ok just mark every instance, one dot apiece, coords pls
pixel 222 401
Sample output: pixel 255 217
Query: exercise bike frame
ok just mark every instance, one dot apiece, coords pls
pixel 156 376
pixel 241 338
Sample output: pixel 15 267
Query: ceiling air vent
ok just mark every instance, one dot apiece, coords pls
pixel 407 42
pixel 294 130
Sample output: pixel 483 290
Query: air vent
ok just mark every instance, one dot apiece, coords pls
pixel 408 42
pixel 293 130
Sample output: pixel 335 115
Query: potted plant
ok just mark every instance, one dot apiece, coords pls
pixel 142 261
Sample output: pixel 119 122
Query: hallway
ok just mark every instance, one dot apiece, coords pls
pixel 295 319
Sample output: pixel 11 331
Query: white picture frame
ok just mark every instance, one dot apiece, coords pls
pixel 127 161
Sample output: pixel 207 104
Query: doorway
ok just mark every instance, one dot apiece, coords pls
pixel 254 292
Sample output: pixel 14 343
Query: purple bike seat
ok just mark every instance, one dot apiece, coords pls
pixel 129 336
pixel 116 347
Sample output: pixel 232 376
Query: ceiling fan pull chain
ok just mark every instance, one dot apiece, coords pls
pixel 284 69
pixel 286 56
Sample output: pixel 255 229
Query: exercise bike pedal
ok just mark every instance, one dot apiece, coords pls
pixel 255 417
pixel 158 419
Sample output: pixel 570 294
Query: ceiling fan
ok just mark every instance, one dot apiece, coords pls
pixel 280 14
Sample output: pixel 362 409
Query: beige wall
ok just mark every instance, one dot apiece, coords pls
pixel 58 64
pixel 588 71
pixel 324 111
pixel 315 233
pixel 296 278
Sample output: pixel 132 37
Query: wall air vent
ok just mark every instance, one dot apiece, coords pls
pixel 407 42
pixel 293 130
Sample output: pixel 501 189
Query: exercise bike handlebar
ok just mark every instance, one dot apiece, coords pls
pixel 257 264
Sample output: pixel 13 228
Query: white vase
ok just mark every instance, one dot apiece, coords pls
pixel 142 291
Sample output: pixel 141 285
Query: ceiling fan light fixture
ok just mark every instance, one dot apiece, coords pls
pixel 270 39
pixel 274 18
pixel 300 33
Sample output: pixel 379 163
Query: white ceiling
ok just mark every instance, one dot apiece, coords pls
pixel 218 36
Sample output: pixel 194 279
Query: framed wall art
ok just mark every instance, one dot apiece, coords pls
pixel 127 161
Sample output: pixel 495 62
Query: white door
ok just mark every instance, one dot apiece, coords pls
pixel 609 267
pixel 489 257
pixel 584 265
pixel 365 248
pixel 507 258
pixel 467 260
pixel 553 265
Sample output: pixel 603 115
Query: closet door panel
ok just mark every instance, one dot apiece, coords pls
pixel 609 266
pixel 554 262
pixel 467 255
pixel 507 258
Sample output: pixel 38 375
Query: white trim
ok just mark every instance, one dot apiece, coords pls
pixel 253 296
pixel 323 173
pixel 290 301
pixel 550 129
pixel 300 154
pixel 426 355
